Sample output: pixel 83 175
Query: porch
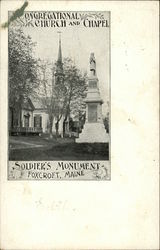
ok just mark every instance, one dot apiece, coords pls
pixel 25 131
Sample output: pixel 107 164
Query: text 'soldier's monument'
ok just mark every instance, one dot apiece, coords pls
pixel 94 130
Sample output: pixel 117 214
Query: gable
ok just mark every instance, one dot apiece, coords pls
pixel 27 105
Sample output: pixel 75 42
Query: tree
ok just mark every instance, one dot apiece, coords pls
pixel 22 69
pixel 106 119
pixel 46 91
pixel 62 96
pixel 60 99
pixel 75 91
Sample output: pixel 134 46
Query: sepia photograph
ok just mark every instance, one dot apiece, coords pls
pixel 79 125
pixel 59 87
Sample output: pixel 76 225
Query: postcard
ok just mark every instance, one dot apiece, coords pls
pixel 79 125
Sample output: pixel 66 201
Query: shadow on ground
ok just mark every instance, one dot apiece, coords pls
pixel 40 149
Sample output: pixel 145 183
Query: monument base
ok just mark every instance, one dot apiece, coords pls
pixel 93 133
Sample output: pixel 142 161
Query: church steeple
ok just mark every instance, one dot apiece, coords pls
pixel 59 64
pixel 60 50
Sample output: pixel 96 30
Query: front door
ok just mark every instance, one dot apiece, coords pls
pixel 92 112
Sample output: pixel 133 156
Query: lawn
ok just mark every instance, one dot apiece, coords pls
pixel 27 148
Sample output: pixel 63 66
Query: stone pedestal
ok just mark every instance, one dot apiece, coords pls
pixel 94 130
pixel 93 133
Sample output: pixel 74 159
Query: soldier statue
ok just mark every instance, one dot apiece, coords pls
pixel 93 64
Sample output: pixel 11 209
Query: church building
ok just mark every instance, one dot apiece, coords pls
pixel 33 117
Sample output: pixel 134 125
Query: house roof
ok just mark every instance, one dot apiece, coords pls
pixel 27 104
pixel 39 103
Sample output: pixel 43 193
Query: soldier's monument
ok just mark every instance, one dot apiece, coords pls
pixel 94 130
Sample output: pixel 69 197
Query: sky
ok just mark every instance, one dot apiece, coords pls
pixel 77 43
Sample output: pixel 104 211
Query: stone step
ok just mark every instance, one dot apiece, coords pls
pixel 93 132
pixel 94 127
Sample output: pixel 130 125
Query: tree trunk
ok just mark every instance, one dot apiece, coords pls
pixel 12 118
pixel 65 119
pixel 20 117
pixel 57 128
pixel 50 133
pixel 50 127
pixel 64 127
pixel 20 111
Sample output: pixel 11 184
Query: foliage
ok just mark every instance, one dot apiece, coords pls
pixel 46 91
pixel 22 66
pixel 63 97
pixel 75 86
pixel 106 122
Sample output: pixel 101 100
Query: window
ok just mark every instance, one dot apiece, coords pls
pixel 38 121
